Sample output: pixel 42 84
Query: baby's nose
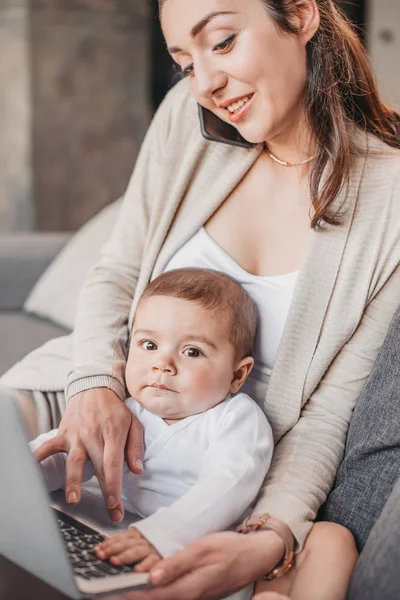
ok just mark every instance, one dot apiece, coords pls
pixel 165 366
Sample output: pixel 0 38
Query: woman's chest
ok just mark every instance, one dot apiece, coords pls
pixel 263 225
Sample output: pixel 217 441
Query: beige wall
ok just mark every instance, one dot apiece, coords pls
pixel 74 107
pixel 16 210
pixel 384 46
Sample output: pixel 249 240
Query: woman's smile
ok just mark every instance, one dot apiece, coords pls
pixel 239 110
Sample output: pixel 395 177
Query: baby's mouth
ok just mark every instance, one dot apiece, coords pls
pixel 160 386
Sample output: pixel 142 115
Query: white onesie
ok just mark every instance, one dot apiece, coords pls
pixel 200 474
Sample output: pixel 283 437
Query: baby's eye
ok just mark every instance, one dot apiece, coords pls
pixel 148 345
pixel 193 352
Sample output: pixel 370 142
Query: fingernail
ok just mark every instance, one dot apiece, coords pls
pixel 111 502
pixel 116 515
pixel 139 464
pixel 72 498
pixel 158 575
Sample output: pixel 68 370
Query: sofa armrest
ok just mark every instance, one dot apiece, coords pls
pixel 23 259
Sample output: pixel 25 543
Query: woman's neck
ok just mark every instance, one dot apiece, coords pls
pixel 294 144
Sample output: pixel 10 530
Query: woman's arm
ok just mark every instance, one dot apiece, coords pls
pixel 306 459
pixel 101 326
pixel 97 425
pixel 214 566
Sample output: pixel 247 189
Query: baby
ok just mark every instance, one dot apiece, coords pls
pixel 207 447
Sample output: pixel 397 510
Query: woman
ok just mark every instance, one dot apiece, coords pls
pixel 310 212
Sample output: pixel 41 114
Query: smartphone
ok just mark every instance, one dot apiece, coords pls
pixel 214 129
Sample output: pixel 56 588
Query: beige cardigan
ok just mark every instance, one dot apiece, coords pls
pixel 346 294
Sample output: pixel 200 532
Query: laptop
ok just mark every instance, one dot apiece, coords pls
pixel 45 536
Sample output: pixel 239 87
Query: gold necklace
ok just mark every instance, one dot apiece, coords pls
pixel 285 163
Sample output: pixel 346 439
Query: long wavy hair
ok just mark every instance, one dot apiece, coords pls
pixel 340 91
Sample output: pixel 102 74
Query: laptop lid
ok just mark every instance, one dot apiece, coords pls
pixel 29 534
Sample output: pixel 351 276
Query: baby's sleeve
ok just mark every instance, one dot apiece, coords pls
pixel 233 470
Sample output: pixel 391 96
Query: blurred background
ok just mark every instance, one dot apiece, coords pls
pixel 79 83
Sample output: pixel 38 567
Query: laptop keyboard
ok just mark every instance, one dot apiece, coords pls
pixel 79 541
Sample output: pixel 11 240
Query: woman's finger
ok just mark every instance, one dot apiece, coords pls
pixel 54 446
pixel 114 506
pixel 192 586
pixel 176 566
pixel 74 466
pixel 148 563
pixel 114 431
pixel 113 462
pixel 134 448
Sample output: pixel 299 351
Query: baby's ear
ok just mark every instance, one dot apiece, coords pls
pixel 241 373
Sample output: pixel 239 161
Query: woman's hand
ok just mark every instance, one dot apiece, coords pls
pixel 98 427
pixel 129 547
pixel 213 567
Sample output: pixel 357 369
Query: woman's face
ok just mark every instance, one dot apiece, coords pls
pixel 240 66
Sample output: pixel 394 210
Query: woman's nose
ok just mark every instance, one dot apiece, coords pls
pixel 208 79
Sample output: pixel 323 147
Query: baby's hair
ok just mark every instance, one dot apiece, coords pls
pixel 217 292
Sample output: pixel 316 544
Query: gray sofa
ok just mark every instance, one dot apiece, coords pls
pixel 23 258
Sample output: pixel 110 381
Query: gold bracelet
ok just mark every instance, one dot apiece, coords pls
pixel 266 522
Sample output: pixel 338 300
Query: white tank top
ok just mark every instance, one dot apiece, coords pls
pixel 271 294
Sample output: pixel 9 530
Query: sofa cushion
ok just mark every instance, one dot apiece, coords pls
pixel 24 256
pixel 20 334
pixel 55 295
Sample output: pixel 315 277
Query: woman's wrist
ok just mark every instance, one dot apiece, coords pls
pixel 266 549
pixel 266 523
pixel 86 384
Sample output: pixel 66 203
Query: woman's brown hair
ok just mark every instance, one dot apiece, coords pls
pixel 340 91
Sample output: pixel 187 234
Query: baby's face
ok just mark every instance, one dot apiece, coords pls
pixel 180 361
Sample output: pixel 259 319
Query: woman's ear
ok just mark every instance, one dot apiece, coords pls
pixel 305 18
pixel 241 373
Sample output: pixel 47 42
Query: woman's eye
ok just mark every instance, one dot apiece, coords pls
pixel 187 71
pixel 193 352
pixel 147 345
pixel 222 47
pixel 226 45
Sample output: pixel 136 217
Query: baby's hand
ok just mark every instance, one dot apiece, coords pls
pixel 129 547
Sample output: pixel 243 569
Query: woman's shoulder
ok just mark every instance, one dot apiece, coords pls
pixel 380 181
pixel 382 157
pixel 377 197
